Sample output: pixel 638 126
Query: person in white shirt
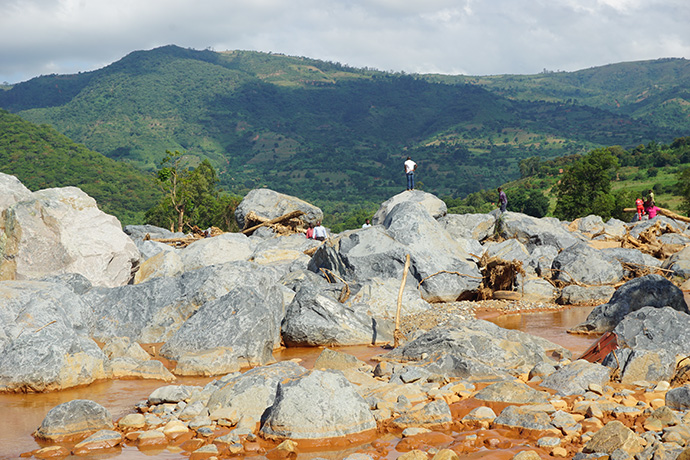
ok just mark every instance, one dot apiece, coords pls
pixel 366 224
pixel 410 168
pixel 320 232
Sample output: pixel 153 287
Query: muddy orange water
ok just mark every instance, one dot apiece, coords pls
pixel 21 414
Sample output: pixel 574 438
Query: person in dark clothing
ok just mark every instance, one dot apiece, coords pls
pixel 502 199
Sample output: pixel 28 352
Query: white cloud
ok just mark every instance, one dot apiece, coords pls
pixel 445 36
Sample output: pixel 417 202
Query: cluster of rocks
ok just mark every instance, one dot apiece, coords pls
pixel 566 409
pixel 81 296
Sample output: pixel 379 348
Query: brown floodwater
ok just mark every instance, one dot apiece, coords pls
pixel 22 414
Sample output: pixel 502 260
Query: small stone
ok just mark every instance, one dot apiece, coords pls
pixel 595 388
pixel 413 431
pixel 51 452
pixel 414 455
pixel 446 454
pixel 548 442
pixel 526 455
pixel 132 421
pixel 151 438
pixel 662 386
pixel 559 452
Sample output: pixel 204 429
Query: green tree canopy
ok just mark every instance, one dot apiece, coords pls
pixel 585 187
pixel 191 197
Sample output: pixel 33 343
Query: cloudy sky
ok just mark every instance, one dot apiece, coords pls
pixel 474 37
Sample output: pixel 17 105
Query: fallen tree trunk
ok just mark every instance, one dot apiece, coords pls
pixel 277 220
pixel 664 212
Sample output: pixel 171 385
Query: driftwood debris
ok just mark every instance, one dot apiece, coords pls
pixel 397 335
pixel 277 221
pixel 664 212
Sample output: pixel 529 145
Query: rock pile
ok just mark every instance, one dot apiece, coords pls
pixel 74 314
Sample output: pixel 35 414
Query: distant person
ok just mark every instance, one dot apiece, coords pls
pixel 410 168
pixel 366 224
pixel 502 200
pixel 649 201
pixel 652 211
pixel 320 232
pixel 639 204
pixel 310 231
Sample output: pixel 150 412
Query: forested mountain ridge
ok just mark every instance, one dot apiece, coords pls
pixel 657 90
pixel 40 157
pixel 328 132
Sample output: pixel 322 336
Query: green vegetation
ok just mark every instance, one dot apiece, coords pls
pixel 602 182
pixel 191 197
pixel 336 135
pixel 40 157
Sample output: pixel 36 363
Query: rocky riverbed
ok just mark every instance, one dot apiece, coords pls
pixel 85 301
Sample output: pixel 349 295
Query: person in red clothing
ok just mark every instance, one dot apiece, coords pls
pixel 310 231
pixel 640 208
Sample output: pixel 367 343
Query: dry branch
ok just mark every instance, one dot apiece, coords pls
pixel 277 220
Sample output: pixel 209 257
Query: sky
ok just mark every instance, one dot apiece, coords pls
pixel 471 37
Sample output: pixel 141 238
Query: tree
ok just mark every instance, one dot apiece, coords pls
pixel 531 202
pixel 585 187
pixel 191 197
pixel 683 189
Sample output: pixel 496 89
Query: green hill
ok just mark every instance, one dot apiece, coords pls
pixel 40 157
pixel 337 135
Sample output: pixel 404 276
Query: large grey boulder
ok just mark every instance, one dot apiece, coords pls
pixel 316 319
pixel 361 254
pixel 532 231
pixel 679 263
pixel 583 264
pixel 576 377
pixel 471 226
pixel 655 329
pixel 678 398
pixel 227 247
pixel 380 251
pixel 254 391
pixel 244 320
pixel 481 342
pixel 12 191
pixel 650 290
pixel 151 312
pixel 433 205
pixel 509 250
pixel 317 405
pixel 148 232
pixel 631 256
pixel 377 295
pixel 636 365
pixel 61 230
pixel 162 264
pixel 269 204
pixel 446 271
pixel 79 417
pixel 585 295
pixel 44 341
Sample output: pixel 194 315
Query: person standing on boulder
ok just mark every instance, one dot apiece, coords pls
pixel 410 167
pixel 502 199
pixel 320 232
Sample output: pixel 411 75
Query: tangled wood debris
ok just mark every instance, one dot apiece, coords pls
pixel 648 242
pixel 499 276
pixel 287 224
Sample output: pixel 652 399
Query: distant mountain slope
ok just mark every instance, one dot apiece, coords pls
pixel 324 131
pixel 42 158
pixel 656 91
